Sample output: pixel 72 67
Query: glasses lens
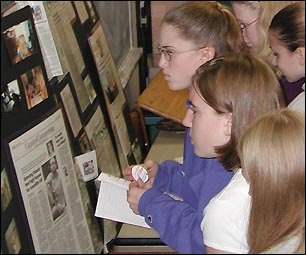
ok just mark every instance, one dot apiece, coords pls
pixel 167 55
pixel 164 52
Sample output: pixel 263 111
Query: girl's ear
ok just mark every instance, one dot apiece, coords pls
pixel 207 53
pixel 300 51
pixel 228 124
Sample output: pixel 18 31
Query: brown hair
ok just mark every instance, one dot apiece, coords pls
pixel 240 84
pixel 207 23
pixel 289 24
pixel 272 152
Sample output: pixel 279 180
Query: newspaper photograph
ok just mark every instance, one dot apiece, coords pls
pixel 49 187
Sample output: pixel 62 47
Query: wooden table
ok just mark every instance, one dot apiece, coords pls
pixel 162 101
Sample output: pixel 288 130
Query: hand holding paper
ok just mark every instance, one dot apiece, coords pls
pixel 112 201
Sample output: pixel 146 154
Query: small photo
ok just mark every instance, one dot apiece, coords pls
pixel 87 164
pixel 34 86
pixel 88 167
pixel 19 41
pixel 6 194
pixel 50 148
pixel 10 97
pixel 12 238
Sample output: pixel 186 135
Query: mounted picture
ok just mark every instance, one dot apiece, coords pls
pixel 19 41
pixel 10 97
pixel 6 193
pixel 34 86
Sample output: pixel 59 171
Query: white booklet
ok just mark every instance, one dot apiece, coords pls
pixel 112 201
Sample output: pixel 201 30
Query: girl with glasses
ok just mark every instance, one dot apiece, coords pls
pixel 172 201
pixel 255 18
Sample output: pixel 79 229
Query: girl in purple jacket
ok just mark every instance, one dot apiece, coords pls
pixel 191 34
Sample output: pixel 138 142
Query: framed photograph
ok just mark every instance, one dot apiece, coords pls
pixel 10 97
pixel 6 193
pixel 12 238
pixel 19 41
pixel 34 86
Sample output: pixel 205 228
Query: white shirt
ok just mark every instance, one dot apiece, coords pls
pixel 225 220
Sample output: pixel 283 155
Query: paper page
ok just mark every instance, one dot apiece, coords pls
pixel 112 201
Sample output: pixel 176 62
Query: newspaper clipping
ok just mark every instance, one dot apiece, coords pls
pixel 49 188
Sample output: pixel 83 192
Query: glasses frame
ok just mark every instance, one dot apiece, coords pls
pixel 168 55
pixel 244 26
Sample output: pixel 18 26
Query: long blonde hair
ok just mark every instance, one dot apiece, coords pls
pixel 272 153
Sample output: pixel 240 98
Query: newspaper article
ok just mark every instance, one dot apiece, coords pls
pixel 49 187
pixel 61 18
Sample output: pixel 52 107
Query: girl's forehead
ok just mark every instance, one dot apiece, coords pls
pixel 243 11
pixel 169 32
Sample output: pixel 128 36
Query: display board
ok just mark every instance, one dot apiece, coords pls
pixel 49 120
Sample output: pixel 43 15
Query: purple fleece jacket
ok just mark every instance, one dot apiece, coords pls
pixel 196 181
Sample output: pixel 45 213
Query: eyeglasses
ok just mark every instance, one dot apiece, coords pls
pixel 244 26
pixel 168 54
